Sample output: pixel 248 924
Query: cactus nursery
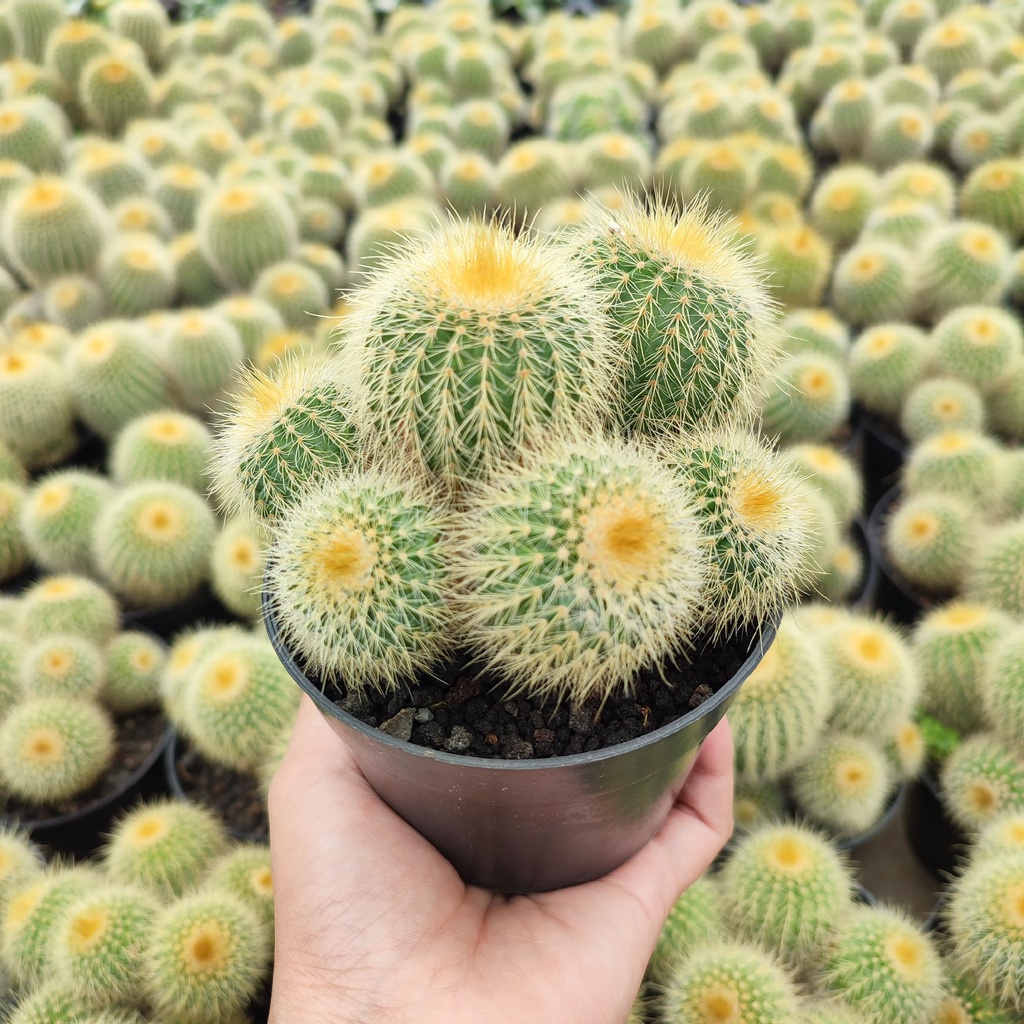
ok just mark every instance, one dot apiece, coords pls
pixel 533 385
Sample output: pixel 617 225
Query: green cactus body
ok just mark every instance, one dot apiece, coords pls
pixel 786 888
pixel 467 182
pixel 873 283
pixel 655 36
pixel 833 473
pixel 243 228
pixel 963 1002
pixel 982 779
pixel 115 376
pixel 994 194
pixel 940 404
pixel 1000 687
pixel 731 981
pixel 716 175
pixel 886 361
pixel 1003 836
pixel 481 126
pixel 530 174
pixel 846 114
pixel 842 201
pixel 755 804
pixel 63 667
pixel 33 22
pixel 899 133
pixel 807 400
pixel 949 47
pixel 874 679
pixel 179 188
pixel 979 344
pixel 203 352
pixel 695 920
pixel 957 463
pixel 11 468
pixel 951 647
pixel 296 42
pixel 99 944
pixel 114 90
pixel 325 177
pixel 188 647
pixel 786 169
pixel 12 655
pixel 978 140
pixel 320 221
pixel 33 132
pixel 236 568
pixel 207 957
pixel 902 222
pixel 109 170
pixel 134 663
pixel 21 863
pixel 140 213
pixel 384 178
pixel 841 572
pixel 931 540
pixel 921 183
pixel 137 274
pixel 244 872
pixel 54 747
pixel 35 407
pixel 74 302
pixel 294 290
pixel 33 909
pixel 254 319
pixel 1014 488
pixel 145 22
pixel 14 553
pixel 904 22
pixel 377 231
pixel 816 331
pixel 69 605
pixel 166 445
pixel 882 966
pixel 799 260
pixel 71 46
pixel 197 280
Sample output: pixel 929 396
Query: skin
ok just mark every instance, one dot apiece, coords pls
pixel 374 926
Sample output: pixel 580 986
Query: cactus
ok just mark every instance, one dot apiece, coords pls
pixel 903 222
pixel 979 344
pixel 872 283
pixel 906 749
pixel 752 513
pixel 886 361
pixel 137 274
pixel 695 921
pixel 816 331
pixel 530 174
pixel 899 133
pixel 846 114
pixel 114 89
pixel 109 170
pixel 874 679
pixel 294 290
pixel 187 649
pixel 21 863
pixel 207 957
pixel 99 944
pixel 833 473
pixel 179 188
pixel 325 546
pixel 1002 837
pixel 50 228
pixel 731 981
pixel 166 445
pixel 54 747
pixel 786 888
pixel 67 667
pixel 994 194
pixel 145 22
pixel 949 47
pixel 73 302
pixel 254 319
pixel 197 281
pixel 962 1001
pixel 782 708
pixel 243 228
pixel 236 568
pixel 36 413
pixel 203 354
pixel 931 540
pixel 467 182
pixel 941 404
pixel 12 654
pixel 808 399
pixel 69 605
pixel 982 779
pixel 244 872
pixel 799 260
pixel 14 553
pixel 33 131
pixel 922 183
pixel 957 463
pixel 166 846
pixel 134 663
pixel 844 197
pixel 755 804
pixel 375 233
pixel 979 139
pixel 882 966
pixel 33 22
pixel 843 784
pixel 481 126
pixel 999 688
pixel 951 649
pixel 320 221
pixel 386 178
pixel 841 572
pixel 716 175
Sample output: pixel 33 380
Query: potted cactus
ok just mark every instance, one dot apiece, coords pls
pixel 524 549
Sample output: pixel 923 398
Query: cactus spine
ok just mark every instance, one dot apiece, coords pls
pixel 134 662
pixel 982 779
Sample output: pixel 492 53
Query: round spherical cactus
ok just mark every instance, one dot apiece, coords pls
pixel 807 400
pixel 949 47
pixel 957 463
pixel 167 445
pixel 994 194
pixel 978 140
pixel 996 578
pixel 799 259
pixel 54 747
pixel 931 539
pixel 873 283
pixel 74 302
pixel 757 803
pixel 69 605
pixel 206 958
pixel 818 331
pixel 179 188
pixel 884 967
pixel 254 319
pixel 294 290
pixel 999 687
pixel 188 647
pixel 842 572
pixel 845 117
pixel 115 375
pixel 137 274
pixel 1003 836
pixel 145 22
pixel 21 863
pixel 14 553
pixel 114 89
pixel 899 133
pixel 52 227
pixel 752 513
pixel 982 345
pixel 203 353
pixel 783 168
pixel 833 473
pixel 376 231
pixel 198 284
pixel 63 666
pixel 33 131
pixel 842 200
pixel 243 228
pixel 531 173
pixel 786 888
pixel 903 222
pixel 695 920
pixel 467 181
pixel 244 872
pixel 237 563
pixel 152 543
pixel 109 170
pixel 134 663
pixel 982 779
pixel 843 784
pixel 939 404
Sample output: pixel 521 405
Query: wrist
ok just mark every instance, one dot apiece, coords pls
pixel 320 995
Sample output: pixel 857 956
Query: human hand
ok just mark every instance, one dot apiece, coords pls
pixel 374 926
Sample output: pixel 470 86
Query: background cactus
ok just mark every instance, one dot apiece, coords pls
pixel 695 920
pixel 14 553
pixel 244 872
pixel 203 352
pixel 36 412
pixel 237 563
pixel 115 88
pixel 808 399
pixel 961 464
pixel 981 779
pixel 872 283
pixel 931 540
pixel 165 445
pixel 1000 688
pixel 940 404
pixel 995 577
pixel 137 273
pixel 69 605
pixel 134 662
pixel 62 666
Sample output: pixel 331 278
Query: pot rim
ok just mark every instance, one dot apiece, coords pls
pixel 762 642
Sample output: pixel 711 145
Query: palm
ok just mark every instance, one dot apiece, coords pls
pixel 395 923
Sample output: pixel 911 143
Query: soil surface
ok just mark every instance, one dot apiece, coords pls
pixel 462 712
pixel 235 796
pixel 137 735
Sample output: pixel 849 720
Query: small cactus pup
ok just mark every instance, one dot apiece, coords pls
pixel 951 645
pixel 54 747
pixel 283 433
pixel 843 784
pixel 787 888
pixel 522 350
pixel 883 967
pixel 165 445
pixel 368 548
pixel 982 345
pixel 68 605
pixel 997 576
pixel 931 540
pixel 134 662
pixel 166 846
pixel 940 404
pixel 152 543
pixel 690 312
pixel 206 959
pixel 985 925
pixel 237 563
pixel 695 920
pixel 63 666
pixel 807 400
pixel 1000 688
pixel 58 516
pixel 886 361
pixel 729 981
pixel 238 699
pixel 36 410
pixel 752 513
pixel 244 872
pixel 99 944
pixel 606 516
pixel 781 709
pixel 982 779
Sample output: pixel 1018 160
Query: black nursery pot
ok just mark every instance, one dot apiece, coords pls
pixel 536 824
pixel 865 599
pixel 935 839
pixel 894 594
pixel 882 455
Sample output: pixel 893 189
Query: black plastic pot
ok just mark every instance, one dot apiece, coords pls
pixel 865 598
pixel 203 608
pixel 83 832
pixel 888 815
pixel 894 595
pixel 882 454
pixel 935 839
pixel 536 824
